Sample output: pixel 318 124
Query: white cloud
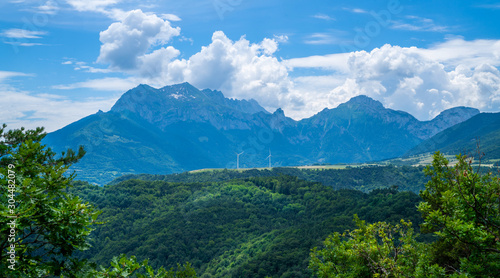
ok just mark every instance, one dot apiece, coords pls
pixel 24 109
pixel 171 17
pixel 421 81
pixel 324 17
pixel 50 7
pixel 417 23
pixel 9 74
pixel 240 69
pixel 22 34
pixel 336 62
pixel 281 38
pixel 29 44
pixel 104 84
pixel 78 65
pixel 321 38
pixel 490 6
pixel 125 44
pixel 404 79
pixel 91 5
pixel 356 10
pixel 455 52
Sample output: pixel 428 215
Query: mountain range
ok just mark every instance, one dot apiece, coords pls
pixel 178 128
pixel 479 133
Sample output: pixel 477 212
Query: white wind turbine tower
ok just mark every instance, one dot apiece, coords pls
pixel 269 158
pixel 238 159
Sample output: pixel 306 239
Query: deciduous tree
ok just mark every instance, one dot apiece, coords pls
pixel 462 207
pixel 41 225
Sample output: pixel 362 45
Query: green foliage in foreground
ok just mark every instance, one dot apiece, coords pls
pixel 460 207
pixel 122 267
pixel 42 225
pixel 254 227
pixel 374 250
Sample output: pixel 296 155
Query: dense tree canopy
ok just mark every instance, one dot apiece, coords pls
pixel 374 250
pixel 251 227
pixel 363 178
pixel 460 207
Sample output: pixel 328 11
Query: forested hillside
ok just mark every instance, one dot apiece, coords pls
pixel 251 227
pixel 482 129
pixel 365 178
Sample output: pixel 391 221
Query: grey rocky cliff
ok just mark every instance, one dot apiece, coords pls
pixel 185 103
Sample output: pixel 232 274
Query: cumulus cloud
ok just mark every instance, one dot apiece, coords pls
pixel 420 81
pixel 125 44
pixel 239 68
pixel 405 79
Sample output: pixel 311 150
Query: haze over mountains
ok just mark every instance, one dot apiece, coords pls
pixel 178 128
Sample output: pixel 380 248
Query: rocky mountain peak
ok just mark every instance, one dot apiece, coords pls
pixel 279 112
pixel 457 114
pixel 363 102
pixel 184 102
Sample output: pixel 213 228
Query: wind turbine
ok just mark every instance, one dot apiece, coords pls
pixel 238 159
pixel 269 158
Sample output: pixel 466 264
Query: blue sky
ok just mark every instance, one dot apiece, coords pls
pixel 61 60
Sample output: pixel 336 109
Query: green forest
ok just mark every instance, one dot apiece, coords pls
pixel 252 227
pixel 437 221
pixel 365 178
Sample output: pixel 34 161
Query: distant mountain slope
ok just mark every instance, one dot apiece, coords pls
pixel 179 128
pixel 461 138
pixel 363 130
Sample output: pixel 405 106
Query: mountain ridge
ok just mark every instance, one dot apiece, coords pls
pixel 179 128
pixel 482 130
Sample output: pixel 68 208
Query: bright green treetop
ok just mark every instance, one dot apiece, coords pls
pixel 374 250
pixel 49 224
pixel 462 207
